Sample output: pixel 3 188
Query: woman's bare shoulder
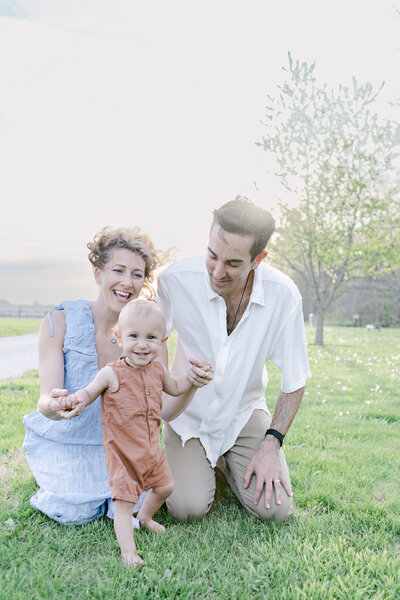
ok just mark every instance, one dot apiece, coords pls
pixel 53 326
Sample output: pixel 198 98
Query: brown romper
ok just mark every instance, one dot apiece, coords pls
pixel 131 426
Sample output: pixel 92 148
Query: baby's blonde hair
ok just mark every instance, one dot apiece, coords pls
pixel 140 305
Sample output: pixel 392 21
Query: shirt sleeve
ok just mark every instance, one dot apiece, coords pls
pixel 163 298
pixel 290 352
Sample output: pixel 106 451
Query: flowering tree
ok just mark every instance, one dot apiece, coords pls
pixel 338 159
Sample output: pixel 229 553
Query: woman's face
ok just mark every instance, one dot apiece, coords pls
pixel 121 279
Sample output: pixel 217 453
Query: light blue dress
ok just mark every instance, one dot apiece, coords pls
pixel 67 457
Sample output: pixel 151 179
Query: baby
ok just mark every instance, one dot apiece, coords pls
pixel 131 412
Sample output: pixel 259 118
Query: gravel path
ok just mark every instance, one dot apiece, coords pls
pixel 18 353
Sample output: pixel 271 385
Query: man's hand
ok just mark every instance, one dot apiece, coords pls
pixel 265 465
pixel 200 372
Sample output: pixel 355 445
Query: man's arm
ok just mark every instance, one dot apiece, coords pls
pixel 181 389
pixel 265 463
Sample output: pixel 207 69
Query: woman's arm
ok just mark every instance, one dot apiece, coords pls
pixel 51 366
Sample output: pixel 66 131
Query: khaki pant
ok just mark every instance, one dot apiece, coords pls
pixel 194 476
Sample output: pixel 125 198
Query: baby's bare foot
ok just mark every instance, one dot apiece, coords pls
pixel 131 559
pixel 153 526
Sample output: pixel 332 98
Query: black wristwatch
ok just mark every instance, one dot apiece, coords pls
pixel 279 436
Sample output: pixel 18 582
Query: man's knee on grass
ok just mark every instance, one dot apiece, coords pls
pixel 193 508
pixel 278 512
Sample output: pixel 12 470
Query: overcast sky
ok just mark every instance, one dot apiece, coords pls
pixel 120 112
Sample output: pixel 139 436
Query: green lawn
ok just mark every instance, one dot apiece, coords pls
pixel 18 326
pixel 342 542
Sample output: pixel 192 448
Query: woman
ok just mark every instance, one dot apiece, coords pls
pixel 75 341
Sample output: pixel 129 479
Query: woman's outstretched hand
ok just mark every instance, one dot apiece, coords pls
pixel 65 406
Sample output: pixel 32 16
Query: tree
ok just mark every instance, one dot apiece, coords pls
pixel 338 159
pixel 374 298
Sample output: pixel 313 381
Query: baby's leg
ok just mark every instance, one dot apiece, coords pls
pixel 124 532
pixel 152 502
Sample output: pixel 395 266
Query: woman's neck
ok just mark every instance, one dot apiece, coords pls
pixel 103 318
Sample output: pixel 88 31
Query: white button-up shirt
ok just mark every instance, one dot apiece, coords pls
pixel 271 328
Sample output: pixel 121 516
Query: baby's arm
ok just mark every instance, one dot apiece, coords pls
pixel 76 403
pixel 179 386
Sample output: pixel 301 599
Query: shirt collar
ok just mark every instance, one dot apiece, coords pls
pixel 211 294
pixel 257 293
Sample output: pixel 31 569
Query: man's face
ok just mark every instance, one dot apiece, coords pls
pixel 229 261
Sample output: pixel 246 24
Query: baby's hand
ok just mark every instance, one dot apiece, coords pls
pixel 72 405
pixel 200 372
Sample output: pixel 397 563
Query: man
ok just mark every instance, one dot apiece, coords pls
pixel 238 312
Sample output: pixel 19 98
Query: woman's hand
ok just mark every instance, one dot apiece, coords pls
pixel 73 405
pixel 65 406
pixel 54 403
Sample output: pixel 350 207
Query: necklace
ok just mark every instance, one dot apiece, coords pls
pixel 230 329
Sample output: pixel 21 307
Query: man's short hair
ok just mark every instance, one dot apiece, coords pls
pixel 242 217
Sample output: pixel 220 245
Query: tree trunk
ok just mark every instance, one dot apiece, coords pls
pixel 319 329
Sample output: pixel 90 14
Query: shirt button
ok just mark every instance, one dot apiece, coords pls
pixel 151 413
pixel 149 393
pixel 151 433
pixel 143 371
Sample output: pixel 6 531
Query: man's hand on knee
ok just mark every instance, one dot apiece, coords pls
pixel 266 467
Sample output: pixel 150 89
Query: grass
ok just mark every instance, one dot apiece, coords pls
pixel 18 326
pixel 342 542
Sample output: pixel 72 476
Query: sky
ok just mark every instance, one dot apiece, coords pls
pixel 124 113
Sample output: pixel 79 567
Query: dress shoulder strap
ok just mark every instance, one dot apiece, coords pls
pixel 71 306
pixel 50 320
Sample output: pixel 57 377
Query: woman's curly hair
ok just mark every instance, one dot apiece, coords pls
pixel 129 238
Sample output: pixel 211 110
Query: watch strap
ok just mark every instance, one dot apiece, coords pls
pixel 279 436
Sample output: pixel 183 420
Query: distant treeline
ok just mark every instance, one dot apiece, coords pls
pixel 362 300
pixel 31 311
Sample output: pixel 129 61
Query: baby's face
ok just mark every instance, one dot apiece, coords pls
pixel 141 337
